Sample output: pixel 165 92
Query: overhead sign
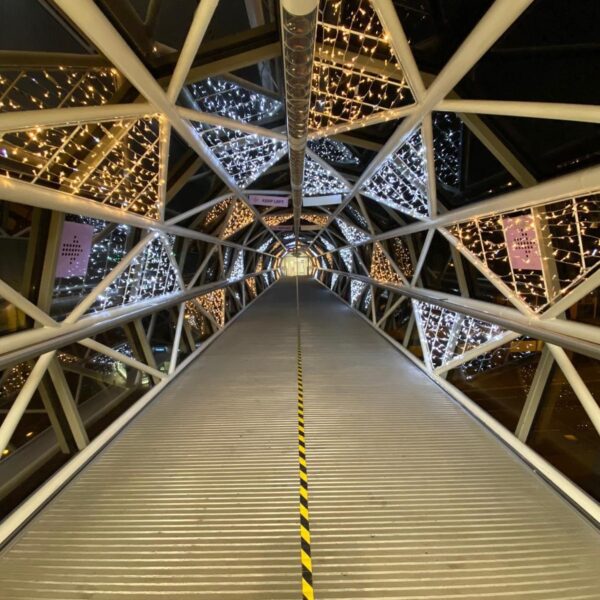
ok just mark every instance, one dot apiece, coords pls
pixel 522 243
pixel 264 200
pixel 323 200
pixel 283 228
pixel 75 249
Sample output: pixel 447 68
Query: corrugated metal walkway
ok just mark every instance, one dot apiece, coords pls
pixel 409 497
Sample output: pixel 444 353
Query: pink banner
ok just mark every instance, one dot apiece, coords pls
pixel 75 249
pixel 280 201
pixel 522 243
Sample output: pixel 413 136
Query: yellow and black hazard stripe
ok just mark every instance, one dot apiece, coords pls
pixel 305 554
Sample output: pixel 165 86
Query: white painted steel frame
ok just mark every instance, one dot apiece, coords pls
pixel 438 96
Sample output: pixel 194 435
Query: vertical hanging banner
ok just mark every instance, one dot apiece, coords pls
pixel 75 249
pixel 260 200
pixel 522 243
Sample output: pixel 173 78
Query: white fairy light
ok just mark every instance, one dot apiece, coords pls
pixel 217 95
pixel 237 270
pixel 352 234
pixel 347 258
pixel 401 181
pixel 447 146
pixel 318 181
pixel 357 287
pixel 334 152
pixel 149 275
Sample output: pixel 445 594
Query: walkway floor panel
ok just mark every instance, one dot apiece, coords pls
pixel 410 498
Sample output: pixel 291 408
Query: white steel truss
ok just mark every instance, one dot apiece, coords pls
pixel 65 148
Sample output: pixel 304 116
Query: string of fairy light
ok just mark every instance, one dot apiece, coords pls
pixel 334 152
pixel 114 162
pixel 381 268
pixel 217 95
pixel 318 181
pixel 570 234
pixel 214 304
pixel 357 287
pixel 150 274
pixel 447 335
pixel 447 148
pixel 244 156
pixel 60 87
pixel 241 217
pixel 356 74
pixel 401 180
pixel 237 269
pixel 352 233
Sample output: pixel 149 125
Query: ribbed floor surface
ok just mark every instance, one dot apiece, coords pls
pixel 409 497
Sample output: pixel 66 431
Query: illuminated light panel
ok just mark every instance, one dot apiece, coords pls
pixel 347 258
pixel 217 95
pixel 244 156
pixel 106 364
pixel 357 287
pixel 334 152
pixel 320 182
pixel 570 238
pixel 381 267
pixel 356 75
pixel 401 181
pixel 214 304
pixel 447 148
pixel 60 87
pixel 115 163
pixel 446 335
pixel 149 275
pixel 241 217
pixel 237 269
pixel 334 278
pixel 352 234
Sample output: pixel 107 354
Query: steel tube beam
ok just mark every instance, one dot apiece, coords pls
pixel 49 117
pixel 582 113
